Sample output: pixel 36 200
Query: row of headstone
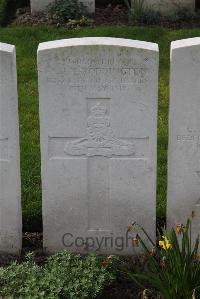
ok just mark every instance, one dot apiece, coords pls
pixel 98 120
pixel 38 6
pixel 166 7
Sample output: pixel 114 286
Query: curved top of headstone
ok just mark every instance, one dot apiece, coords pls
pixel 6 47
pixel 95 41
pixel 183 43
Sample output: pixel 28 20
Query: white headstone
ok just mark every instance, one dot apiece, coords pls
pixel 184 134
pixel 41 5
pixel 98 113
pixel 10 195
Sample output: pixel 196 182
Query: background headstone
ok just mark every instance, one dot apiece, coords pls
pixel 184 134
pixel 41 5
pixel 98 114
pixel 168 7
pixel 10 195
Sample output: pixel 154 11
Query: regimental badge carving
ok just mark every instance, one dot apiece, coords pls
pixel 100 139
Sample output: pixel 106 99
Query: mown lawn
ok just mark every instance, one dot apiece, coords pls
pixel 26 40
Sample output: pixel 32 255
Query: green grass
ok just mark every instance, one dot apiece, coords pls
pixel 26 40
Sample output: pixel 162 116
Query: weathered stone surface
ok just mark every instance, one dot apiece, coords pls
pixel 41 5
pixel 184 134
pixel 10 197
pixel 98 113
pixel 170 6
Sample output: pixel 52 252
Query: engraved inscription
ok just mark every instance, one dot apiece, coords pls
pixel 191 141
pixel 100 140
pixel 101 78
pixel 188 137
pixel 104 75
pixel 67 60
pixel 82 73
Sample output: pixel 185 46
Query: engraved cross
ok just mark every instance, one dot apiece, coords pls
pixel 99 146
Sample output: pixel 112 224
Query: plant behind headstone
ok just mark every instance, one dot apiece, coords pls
pixel 62 10
pixel 140 13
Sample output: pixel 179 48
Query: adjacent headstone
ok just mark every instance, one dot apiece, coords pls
pixel 168 7
pixel 184 135
pixel 10 197
pixel 41 5
pixel 98 114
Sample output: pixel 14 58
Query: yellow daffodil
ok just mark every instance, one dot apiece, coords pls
pixel 165 244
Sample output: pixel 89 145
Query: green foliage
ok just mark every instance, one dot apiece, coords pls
pixel 139 13
pixel 62 10
pixel 77 24
pixel 136 6
pixel 64 275
pixel 149 17
pixel 173 268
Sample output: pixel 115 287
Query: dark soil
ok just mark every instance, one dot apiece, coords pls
pixel 31 242
pixel 111 15
pixel 117 15
pixel 125 288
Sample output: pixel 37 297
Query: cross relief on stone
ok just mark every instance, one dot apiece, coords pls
pixel 98 146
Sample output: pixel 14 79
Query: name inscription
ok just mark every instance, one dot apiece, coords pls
pixel 101 78
pixel 98 73
pixel 188 137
